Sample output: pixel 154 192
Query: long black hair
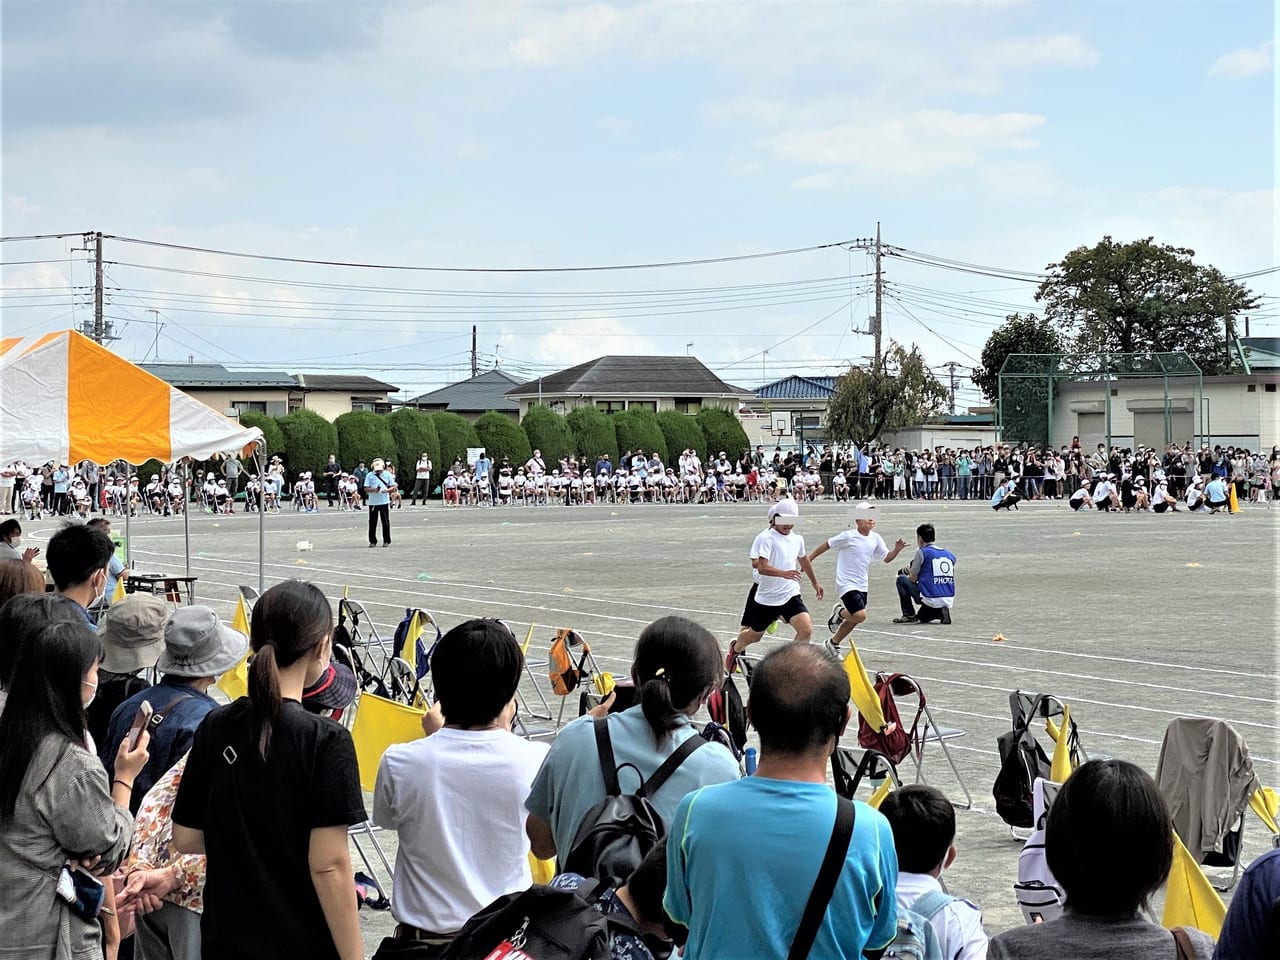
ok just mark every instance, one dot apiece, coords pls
pixel 45 699
pixel 289 621
pixel 22 617
pixel 676 662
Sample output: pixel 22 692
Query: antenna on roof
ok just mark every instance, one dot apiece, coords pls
pixel 497 356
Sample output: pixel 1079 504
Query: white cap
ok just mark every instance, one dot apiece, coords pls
pixel 864 511
pixel 786 512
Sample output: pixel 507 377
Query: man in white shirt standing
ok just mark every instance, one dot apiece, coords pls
pixel 456 798
pixel 855 550
pixel 777 560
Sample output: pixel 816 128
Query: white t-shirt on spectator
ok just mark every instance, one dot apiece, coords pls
pixel 784 553
pixel 456 800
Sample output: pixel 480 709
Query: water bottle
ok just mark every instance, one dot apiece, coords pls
pixel 751 761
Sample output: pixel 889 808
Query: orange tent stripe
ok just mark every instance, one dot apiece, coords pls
pixel 113 408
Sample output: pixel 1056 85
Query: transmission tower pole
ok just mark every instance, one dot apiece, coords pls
pixel 952 368
pixel 475 362
pixel 99 329
pixel 879 297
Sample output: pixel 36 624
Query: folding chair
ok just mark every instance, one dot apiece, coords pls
pixel 1206 776
pixel 521 700
pixel 369 831
pixel 1029 707
pixel 408 675
pixel 582 667
pixel 929 731
pixel 370 654
pixel 849 770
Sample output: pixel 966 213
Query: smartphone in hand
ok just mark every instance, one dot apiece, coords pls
pixel 140 721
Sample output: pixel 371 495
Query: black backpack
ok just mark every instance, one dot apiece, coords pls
pixel 1022 759
pixel 541 923
pixel 617 832
pixel 726 710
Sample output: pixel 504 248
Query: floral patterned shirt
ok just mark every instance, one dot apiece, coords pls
pixel 153 833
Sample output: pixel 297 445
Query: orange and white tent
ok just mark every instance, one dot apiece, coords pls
pixel 64 397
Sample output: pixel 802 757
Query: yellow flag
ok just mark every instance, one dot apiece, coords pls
pixel 1060 769
pixel 1189 898
pixel 409 653
pixel 118 593
pixel 379 723
pixel 235 682
pixel 880 792
pixel 1266 804
pixel 1051 729
pixel 865 697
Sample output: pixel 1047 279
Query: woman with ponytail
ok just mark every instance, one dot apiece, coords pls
pixel 268 793
pixel 677 664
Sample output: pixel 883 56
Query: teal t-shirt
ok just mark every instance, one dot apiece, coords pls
pixel 742 858
pixel 569 783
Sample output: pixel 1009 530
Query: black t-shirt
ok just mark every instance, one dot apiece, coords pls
pixel 257 818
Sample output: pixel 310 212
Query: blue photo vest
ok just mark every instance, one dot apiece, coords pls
pixel 937 575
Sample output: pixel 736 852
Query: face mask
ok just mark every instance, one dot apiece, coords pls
pixel 93 692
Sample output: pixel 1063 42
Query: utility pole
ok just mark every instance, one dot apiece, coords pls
pixel 879 298
pixel 99 330
pixel 155 344
pixel 475 365
pixel 951 406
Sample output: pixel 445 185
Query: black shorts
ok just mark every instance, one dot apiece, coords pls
pixel 854 600
pixel 1076 504
pixel 758 617
pixel 1161 507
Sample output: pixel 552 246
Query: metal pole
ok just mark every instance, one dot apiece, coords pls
pixel 260 460
pixel 879 296
pixel 128 512
pixel 99 330
pixel 186 511
pixel 1106 385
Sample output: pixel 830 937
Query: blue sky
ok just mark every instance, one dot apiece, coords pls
pixel 545 134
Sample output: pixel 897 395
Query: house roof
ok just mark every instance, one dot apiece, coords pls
pixel 1263 352
pixel 797 388
pixel 646 376
pixel 485 391
pixel 216 376
pixel 343 382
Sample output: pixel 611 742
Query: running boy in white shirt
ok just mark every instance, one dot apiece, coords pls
pixel 855 550
pixel 777 559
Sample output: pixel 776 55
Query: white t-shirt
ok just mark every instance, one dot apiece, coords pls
pixel 1079 495
pixel 784 553
pixel 456 800
pixel 854 554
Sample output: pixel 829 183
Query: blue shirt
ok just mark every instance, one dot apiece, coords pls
pixel 570 783
pixel 1216 491
pixel 169 741
pixel 61 480
pixel 999 495
pixel 375 489
pixel 742 859
pixel 1245 933
pixel 937 577
pixel 115 567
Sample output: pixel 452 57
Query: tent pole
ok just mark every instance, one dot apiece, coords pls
pixel 128 512
pixel 260 460
pixel 186 511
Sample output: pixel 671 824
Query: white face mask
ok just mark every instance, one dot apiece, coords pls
pixel 93 692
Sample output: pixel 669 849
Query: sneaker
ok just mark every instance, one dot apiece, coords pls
pixel 833 648
pixel 833 621
pixel 946 615
pixel 906 620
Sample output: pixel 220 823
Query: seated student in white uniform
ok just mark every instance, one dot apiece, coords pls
pixel 1161 501
pixel 520 487
pixel 271 492
pixel 924 833
pixel 177 502
pixel 210 492
pixel 223 497
pixel 505 487
pixel 575 489
pixel 1080 498
pixel 156 494
pixel 840 486
pixel 1196 501
pixel 1105 495
pixel 80 497
pixel 635 488
pixel 449 486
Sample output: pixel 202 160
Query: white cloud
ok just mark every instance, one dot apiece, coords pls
pixel 1056 50
pixel 618 126
pixel 1245 62
pixel 919 143
pixel 661 158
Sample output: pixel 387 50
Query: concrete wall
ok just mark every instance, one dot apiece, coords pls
pixel 223 400
pixel 1236 410
pixel 928 436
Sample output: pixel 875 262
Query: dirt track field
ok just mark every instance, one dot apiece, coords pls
pixel 1131 619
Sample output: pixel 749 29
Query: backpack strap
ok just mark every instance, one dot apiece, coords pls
pixel 608 765
pixel 158 716
pixel 669 766
pixel 825 884
pixel 1183 942
pixel 929 904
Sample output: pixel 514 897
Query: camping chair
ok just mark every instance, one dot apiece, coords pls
pixel 570 664
pixel 926 730
pixel 1029 708
pixel 408 675
pixel 368 831
pixel 1207 778
pixel 370 654
pixel 848 770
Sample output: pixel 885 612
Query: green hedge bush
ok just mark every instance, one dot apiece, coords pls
pixel 364 435
pixel 549 433
pixel 721 430
pixel 638 429
pixel 681 432
pixel 502 437
pixel 414 432
pixel 308 440
pixel 456 434
pixel 272 435
pixel 593 434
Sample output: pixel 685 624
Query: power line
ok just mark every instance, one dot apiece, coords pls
pixel 48 236
pixel 386 266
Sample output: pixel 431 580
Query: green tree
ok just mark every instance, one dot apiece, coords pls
pixel 502 437
pixel 414 433
pixel 363 435
pixel 308 440
pixel 548 432
pixel 456 434
pixel 593 433
pixel 1024 404
pixel 722 431
pixel 638 429
pixel 1143 296
pixel 901 393
pixel 272 435
pixel 681 432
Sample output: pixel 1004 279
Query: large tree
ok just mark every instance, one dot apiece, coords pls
pixel 1142 296
pixel 1018 334
pixel 900 393
pixel 1024 405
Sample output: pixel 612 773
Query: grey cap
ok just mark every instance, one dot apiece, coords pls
pixel 132 632
pixel 198 644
